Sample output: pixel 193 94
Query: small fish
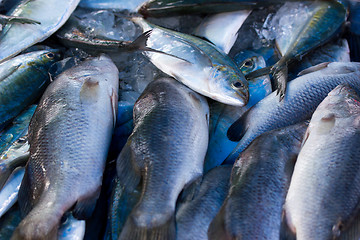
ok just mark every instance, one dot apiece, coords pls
pixel 222 29
pixel 50 14
pixel 222 116
pixel 259 182
pixel 304 94
pixel 193 217
pixel 166 150
pixel 22 80
pixel 71 229
pixel 324 21
pixel 17 129
pixel 9 193
pixel 69 137
pixel 195 62
pixel 323 197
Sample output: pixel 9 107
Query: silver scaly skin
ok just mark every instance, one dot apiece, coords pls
pixel 304 94
pixel 166 150
pixel 69 138
pixel 259 182
pixel 324 192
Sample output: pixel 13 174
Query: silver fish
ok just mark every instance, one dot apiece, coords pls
pixel 259 182
pixel 303 96
pixel 69 136
pixel 195 62
pixel 324 193
pixel 9 193
pixel 166 149
pixel 193 217
pixel 50 14
pixel 72 229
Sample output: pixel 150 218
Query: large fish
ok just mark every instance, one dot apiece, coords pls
pixel 323 21
pixel 50 14
pixel 166 150
pixel 195 62
pixel 259 182
pixel 324 192
pixel 69 136
pixel 304 94
pixel 22 80
pixel 193 217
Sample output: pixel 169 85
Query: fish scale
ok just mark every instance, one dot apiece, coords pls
pixel 324 193
pixel 69 137
pixel 303 96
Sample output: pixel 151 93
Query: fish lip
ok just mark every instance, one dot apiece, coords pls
pixel 244 95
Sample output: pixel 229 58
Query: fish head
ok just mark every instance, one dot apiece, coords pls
pixel 46 59
pixel 229 86
pixel 341 104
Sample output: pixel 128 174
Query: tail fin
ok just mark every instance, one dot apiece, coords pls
pixel 280 75
pixel 217 229
pixel 136 231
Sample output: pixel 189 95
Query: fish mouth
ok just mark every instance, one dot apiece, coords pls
pixel 244 95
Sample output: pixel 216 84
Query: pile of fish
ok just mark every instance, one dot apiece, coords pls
pixel 191 119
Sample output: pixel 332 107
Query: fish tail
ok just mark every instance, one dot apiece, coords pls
pixel 217 230
pixel 40 224
pixel 137 230
pixel 280 74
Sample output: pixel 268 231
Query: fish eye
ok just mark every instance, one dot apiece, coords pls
pixel 50 55
pixel 248 63
pixel 237 85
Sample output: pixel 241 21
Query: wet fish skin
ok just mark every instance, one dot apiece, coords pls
pixel 259 182
pixel 303 96
pixel 166 149
pixel 324 22
pixel 69 137
pixel 23 80
pixel 9 193
pixel 50 14
pixel 195 62
pixel 112 4
pixel 324 193
pixel 17 129
pixel 222 116
pixel 222 29
pixel 193 217
pixel 72 229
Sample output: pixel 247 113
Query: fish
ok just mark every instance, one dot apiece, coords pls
pixel 323 22
pixel 9 193
pixel 335 51
pixel 71 229
pixel 259 182
pixel 323 199
pixel 222 29
pixel 193 217
pixel 166 151
pixel 160 8
pixel 22 81
pixel 13 159
pixel 50 14
pixel 69 137
pixel 304 94
pixel 17 129
pixel 117 5
pixel 194 62
pixel 223 116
